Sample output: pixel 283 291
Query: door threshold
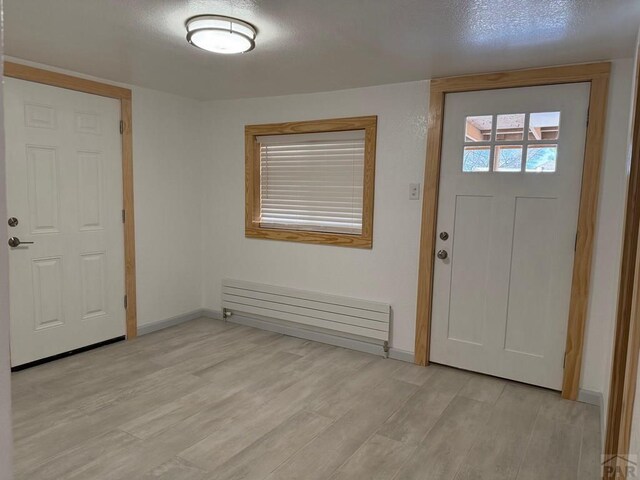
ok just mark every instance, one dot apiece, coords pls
pixel 93 346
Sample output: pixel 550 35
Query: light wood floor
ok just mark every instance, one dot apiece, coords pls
pixel 208 400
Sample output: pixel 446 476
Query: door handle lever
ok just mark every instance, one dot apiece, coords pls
pixel 16 242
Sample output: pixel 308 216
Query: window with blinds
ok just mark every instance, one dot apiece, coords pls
pixel 312 181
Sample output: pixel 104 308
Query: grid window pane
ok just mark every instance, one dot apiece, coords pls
pixel 508 158
pixel 544 126
pixel 541 158
pixel 476 159
pixel 478 128
pixel 510 127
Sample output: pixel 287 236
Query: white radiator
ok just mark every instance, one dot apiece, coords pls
pixel 347 322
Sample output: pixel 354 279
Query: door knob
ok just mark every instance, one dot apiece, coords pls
pixel 444 235
pixel 15 242
pixel 442 254
pixel 13 222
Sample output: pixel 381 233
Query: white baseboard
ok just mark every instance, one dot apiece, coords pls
pixel 590 397
pixel 209 313
pixel 171 322
pixel 401 355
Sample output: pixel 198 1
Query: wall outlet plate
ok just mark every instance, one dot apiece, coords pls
pixel 414 191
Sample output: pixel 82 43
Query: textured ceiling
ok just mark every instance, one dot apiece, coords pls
pixel 315 45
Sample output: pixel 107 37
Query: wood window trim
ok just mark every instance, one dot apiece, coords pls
pixel 626 346
pixel 597 74
pixel 253 229
pixel 55 79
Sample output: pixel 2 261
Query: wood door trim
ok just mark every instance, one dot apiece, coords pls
pixel 54 79
pixel 626 347
pixel 597 74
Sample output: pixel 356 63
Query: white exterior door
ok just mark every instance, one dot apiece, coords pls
pixel 64 186
pixel 507 218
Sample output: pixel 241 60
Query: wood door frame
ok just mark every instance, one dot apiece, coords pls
pixel 626 347
pixel 54 79
pixel 597 74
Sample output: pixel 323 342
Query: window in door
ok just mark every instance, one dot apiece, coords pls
pixel 497 142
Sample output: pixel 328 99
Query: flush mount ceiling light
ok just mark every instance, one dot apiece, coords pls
pixel 219 34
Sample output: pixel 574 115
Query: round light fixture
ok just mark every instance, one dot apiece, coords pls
pixel 219 34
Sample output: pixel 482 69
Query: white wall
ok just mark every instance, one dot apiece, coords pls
pixel 598 352
pixel 388 272
pixel 6 446
pixel 167 152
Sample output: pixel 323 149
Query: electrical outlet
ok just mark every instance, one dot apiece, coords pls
pixel 414 191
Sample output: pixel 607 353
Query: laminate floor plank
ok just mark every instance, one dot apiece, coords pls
pixel 500 446
pixel 208 400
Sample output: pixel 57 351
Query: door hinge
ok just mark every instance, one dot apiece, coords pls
pixel 121 127
pixel 575 243
pixel 564 362
pixel 124 216
pixel 125 302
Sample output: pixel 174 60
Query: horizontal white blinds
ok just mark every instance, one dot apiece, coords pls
pixel 312 181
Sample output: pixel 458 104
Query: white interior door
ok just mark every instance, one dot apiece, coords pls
pixel 507 218
pixel 64 186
